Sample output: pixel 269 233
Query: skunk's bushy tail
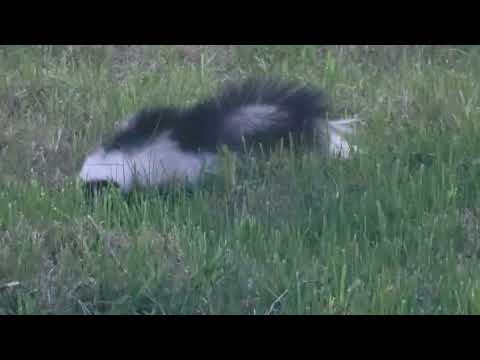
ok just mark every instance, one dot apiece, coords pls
pixel 266 111
pixel 255 111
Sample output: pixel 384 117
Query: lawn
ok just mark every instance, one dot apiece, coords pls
pixel 394 230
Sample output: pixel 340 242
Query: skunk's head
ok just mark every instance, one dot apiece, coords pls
pixel 129 153
pixel 146 152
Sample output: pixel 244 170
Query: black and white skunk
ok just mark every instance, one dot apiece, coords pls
pixel 160 145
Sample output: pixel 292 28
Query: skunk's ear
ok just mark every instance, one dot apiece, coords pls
pixel 92 189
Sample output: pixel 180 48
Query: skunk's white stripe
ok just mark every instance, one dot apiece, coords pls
pixel 250 119
pixel 347 121
pixel 163 161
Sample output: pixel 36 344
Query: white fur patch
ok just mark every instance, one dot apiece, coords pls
pixel 153 164
pixel 250 119
pixel 338 144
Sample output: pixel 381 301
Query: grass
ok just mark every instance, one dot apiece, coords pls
pixel 395 230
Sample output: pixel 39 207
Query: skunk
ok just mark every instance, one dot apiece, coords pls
pixel 164 144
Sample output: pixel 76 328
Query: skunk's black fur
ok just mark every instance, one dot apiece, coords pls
pixel 211 124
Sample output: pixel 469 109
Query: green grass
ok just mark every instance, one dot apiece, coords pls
pixel 394 230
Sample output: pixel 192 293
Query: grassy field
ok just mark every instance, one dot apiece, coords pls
pixel 395 230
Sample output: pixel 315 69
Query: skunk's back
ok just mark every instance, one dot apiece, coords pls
pixel 262 111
